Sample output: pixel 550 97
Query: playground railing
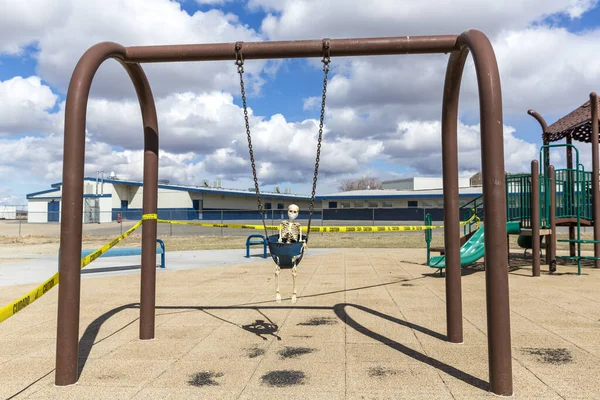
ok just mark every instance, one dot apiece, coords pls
pixel 466 211
pixel 518 196
pixel 573 193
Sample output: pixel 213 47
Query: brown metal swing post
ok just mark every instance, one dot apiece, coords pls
pixel 492 156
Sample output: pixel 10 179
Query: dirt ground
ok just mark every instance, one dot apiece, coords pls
pixel 12 245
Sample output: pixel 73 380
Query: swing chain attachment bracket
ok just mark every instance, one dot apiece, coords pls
pixel 326 54
pixel 239 58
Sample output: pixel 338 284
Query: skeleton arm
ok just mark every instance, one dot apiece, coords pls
pixel 280 240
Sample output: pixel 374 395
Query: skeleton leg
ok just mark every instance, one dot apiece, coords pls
pixel 277 295
pixel 294 274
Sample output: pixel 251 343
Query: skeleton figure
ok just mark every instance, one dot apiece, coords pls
pixel 290 232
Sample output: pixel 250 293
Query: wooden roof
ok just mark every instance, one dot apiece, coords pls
pixel 577 125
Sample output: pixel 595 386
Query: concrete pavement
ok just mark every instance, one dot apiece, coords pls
pixel 368 324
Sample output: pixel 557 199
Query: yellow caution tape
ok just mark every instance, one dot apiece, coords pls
pixel 396 228
pixel 18 305
pixel 12 308
pixel 92 256
pixel 239 226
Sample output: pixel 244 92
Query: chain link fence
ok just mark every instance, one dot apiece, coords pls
pixel 115 222
pixel 17 221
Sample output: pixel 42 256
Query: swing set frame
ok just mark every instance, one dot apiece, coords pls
pixel 492 159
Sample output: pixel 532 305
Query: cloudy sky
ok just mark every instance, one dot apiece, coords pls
pixel 383 113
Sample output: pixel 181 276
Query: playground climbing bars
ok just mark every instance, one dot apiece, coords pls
pixel 492 158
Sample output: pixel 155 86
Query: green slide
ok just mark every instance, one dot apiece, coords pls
pixel 470 252
pixel 473 249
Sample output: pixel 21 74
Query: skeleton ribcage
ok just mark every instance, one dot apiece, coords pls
pixel 290 230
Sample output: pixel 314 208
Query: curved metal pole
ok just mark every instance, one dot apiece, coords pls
pixel 494 195
pixel 545 140
pixel 150 198
pixel 539 119
pixel 72 197
pixel 454 73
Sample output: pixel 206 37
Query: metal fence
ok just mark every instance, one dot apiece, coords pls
pixel 13 216
pixel 22 228
pixel 109 224
pixel 11 212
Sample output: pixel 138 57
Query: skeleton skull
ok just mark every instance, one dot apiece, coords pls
pixel 293 211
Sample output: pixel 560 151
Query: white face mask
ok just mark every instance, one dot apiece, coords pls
pixel 292 214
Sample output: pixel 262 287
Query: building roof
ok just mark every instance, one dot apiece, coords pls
pixel 391 193
pixel 577 125
pixel 196 189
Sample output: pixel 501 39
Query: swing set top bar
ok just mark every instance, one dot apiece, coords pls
pixel 293 49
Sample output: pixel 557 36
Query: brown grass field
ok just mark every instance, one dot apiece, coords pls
pixel 49 244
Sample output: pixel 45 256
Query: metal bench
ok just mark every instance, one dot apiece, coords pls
pixel 130 251
pixel 261 241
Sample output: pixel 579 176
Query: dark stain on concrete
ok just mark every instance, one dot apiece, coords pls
pixel 204 379
pixel 294 352
pixel 283 378
pixel 557 356
pixel 255 352
pixel 319 321
pixel 381 372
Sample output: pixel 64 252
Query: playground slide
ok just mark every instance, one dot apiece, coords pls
pixel 470 252
pixel 473 249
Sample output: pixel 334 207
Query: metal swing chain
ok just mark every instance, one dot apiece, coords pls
pixel 239 61
pixel 326 60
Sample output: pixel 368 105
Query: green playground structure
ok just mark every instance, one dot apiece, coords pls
pixel 472 250
pixel 536 203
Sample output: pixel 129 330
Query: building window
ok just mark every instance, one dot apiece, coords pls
pixel 373 204
pixel 359 204
pixel 387 204
pixel 428 203
pixel 267 206
pixel 280 206
pixel 345 204
pixel 413 203
pixel 333 204
pixel 440 203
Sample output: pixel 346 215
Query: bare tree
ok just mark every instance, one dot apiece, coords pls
pixel 364 183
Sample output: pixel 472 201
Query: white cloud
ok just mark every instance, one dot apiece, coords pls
pixel 296 19
pixel 32 156
pixel 8 198
pixel 550 70
pixel 543 67
pixel 200 123
pixel 25 105
pixel 201 137
pixel 419 144
pixel 22 25
pixel 64 29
